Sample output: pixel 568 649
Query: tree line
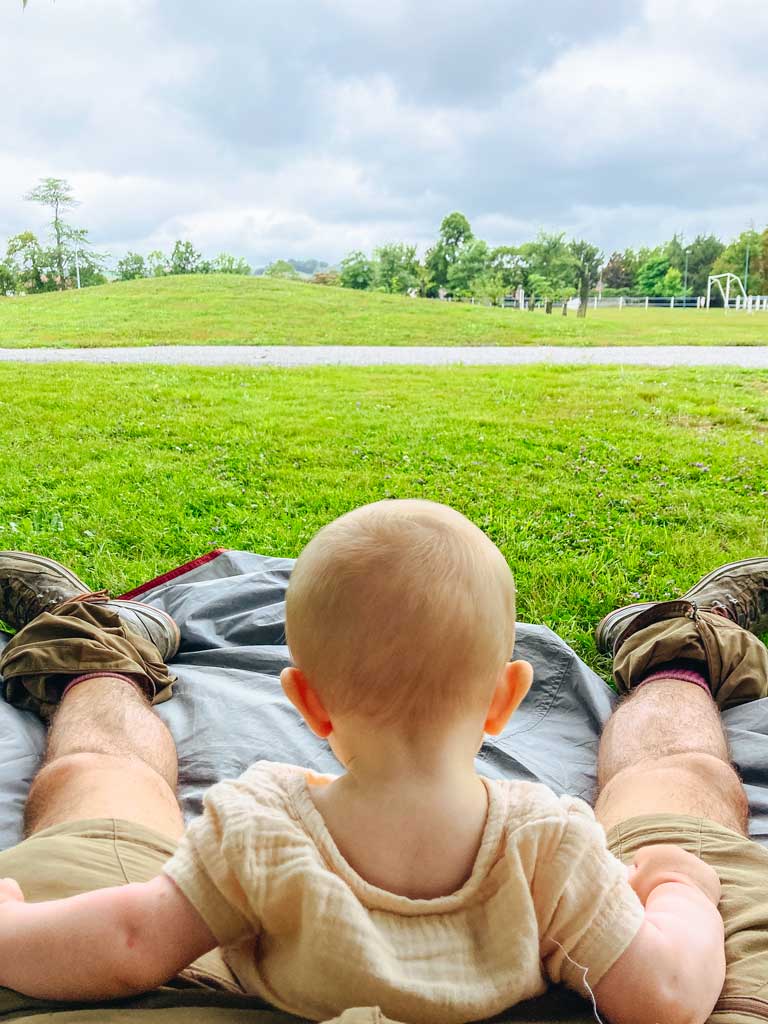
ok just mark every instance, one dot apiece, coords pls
pixel 552 267
pixel 457 265
pixel 67 258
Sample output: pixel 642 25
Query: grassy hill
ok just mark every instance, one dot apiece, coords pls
pixel 226 309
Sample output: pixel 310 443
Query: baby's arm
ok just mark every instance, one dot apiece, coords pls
pixel 99 945
pixel 674 969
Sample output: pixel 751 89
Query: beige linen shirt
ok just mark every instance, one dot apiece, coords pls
pixel 299 927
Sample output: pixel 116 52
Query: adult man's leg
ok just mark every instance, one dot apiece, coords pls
pixel 102 810
pixel 664 752
pixel 664 771
pixel 108 756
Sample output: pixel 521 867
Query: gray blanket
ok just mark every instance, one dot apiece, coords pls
pixel 229 711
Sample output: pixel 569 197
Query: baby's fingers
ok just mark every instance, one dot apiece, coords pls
pixel 10 891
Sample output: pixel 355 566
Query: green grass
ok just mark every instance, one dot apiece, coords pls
pixel 220 309
pixel 600 485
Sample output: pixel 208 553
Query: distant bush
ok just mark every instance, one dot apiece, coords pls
pixel 131 267
pixel 327 277
pixel 184 259
pixel 281 268
pixel 357 271
pixel 226 264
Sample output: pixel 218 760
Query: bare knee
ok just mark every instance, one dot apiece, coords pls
pixel 712 773
pixel 64 785
pixel 69 768
pixel 694 783
pixel 722 781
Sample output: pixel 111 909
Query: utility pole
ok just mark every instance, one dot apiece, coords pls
pixel 746 271
pixel 685 279
pixel 77 265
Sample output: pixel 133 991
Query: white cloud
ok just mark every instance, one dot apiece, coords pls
pixel 313 128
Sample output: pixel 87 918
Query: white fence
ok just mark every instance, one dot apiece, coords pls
pixel 750 304
pixel 650 301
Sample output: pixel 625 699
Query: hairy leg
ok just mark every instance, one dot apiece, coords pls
pixel 108 756
pixel 664 752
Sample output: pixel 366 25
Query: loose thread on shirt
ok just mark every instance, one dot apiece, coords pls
pixel 580 967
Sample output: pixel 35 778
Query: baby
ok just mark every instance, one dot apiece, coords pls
pixel 408 882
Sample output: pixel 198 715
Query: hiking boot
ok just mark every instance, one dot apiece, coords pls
pixel 32 584
pixel 737 590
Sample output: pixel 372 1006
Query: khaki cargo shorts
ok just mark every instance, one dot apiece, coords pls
pixel 85 855
pixel 80 856
pixel 743 869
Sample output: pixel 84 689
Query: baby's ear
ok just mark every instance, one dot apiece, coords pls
pixel 306 700
pixel 511 689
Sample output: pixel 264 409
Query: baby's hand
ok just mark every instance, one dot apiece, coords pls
pixel 666 862
pixel 10 891
pixel 674 968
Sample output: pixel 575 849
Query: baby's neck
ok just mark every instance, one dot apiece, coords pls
pixel 410 826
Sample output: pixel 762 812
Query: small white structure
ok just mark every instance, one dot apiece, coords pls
pixel 729 279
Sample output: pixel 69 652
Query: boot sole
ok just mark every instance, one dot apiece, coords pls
pixel 159 616
pixel 722 570
pixel 630 610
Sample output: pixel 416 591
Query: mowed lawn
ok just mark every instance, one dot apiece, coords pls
pixel 223 309
pixel 600 485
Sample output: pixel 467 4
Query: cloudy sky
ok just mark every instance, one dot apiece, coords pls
pixel 307 128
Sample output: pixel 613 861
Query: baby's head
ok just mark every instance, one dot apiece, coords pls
pixel 401 613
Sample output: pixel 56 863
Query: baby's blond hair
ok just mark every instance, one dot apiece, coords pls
pixel 399 610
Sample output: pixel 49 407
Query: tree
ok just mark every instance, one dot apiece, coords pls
pixel 357 271
pixel 510 267
pixel 56 193
pixel 8 280
pixel 733 260
pixel 651 272
pixel 455 234
pixel 761 264
pixel 436 265
pixel 157 264
pixel 425 282
pixel 131 267
pixel 587 260
pixel 618 273
pixel 671 284
pixel 491 286
pixel 702 255
pixel 551 266
pixel 226 264
pixel 82 265
pixel 675 253
pixel 283 269
pixel 32 265
pixel 470 267
pixel 185 259
pixel 396 267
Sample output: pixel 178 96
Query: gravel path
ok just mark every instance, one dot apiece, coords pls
pixel 751 357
